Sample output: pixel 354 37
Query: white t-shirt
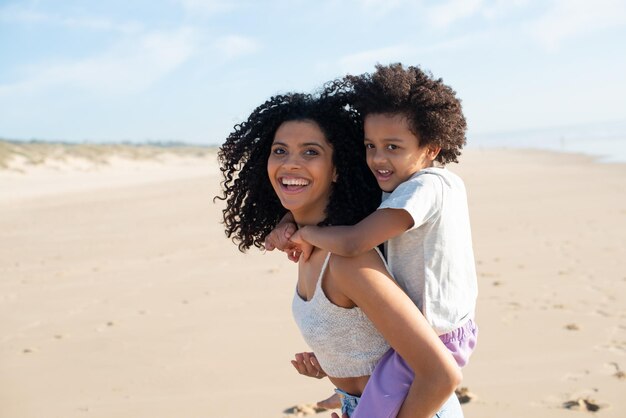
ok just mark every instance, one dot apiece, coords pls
pixel 434 261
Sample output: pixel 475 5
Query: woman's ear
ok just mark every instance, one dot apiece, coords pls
pixel 335 175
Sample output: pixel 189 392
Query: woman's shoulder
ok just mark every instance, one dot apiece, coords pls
pixel 348 267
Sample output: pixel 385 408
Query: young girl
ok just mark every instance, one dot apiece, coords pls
pixel 301 154
pixel 410 121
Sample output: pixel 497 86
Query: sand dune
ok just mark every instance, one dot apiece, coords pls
pixel 121 297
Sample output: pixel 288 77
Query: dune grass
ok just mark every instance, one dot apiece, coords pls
pixel 36 153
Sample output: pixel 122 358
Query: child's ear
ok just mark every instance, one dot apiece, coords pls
pixel 433 152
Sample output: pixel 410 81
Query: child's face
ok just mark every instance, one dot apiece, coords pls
pixel 393 152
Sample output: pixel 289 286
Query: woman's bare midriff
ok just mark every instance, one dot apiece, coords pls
pixel 352 385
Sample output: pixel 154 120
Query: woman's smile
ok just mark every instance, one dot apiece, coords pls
pixel 292 184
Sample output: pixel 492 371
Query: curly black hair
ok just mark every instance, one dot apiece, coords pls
pixel 252 207
pixel 432 109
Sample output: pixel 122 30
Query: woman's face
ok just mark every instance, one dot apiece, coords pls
pixel 301 170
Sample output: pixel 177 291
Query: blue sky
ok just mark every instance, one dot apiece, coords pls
pixel 190 69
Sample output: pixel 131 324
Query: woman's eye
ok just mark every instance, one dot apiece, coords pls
pixel 278 151
pixel 311 152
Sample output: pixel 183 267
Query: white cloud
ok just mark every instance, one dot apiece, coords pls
pixel 500 8
pixel 444 14
pixel 569 18
pixel 364 61
pixel 207 7
pixel 381 7
pixel 233 46
pixel 130 66
pixel 14 15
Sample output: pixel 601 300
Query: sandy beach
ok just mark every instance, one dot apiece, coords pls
pixel 121 297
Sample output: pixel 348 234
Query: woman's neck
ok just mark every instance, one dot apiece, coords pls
pixel 304 219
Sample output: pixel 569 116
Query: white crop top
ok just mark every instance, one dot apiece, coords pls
pixel 344 340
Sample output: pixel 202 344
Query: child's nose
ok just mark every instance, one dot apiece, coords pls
pixel 379 156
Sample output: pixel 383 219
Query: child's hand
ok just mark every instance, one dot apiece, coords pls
pixel 334 415
pixel 307 365
pixel 305 248
pixel 293 254
pixel 279 237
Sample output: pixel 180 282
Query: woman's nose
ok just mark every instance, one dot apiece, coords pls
pixel 292 161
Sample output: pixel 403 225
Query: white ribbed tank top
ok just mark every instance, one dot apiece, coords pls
pixel 344 340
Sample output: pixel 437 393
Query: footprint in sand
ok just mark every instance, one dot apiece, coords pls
pixel 583 404
pixel 572 327
pixel 487 275
pixel 603 313
pixel 618 372
pixel 464 395
pixel 303 410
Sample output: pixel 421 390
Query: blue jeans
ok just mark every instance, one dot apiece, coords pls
pixel 348 402
pixel 450 409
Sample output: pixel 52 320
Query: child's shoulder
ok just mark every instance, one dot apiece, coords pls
pixel 430 181
pixel 436 176
pixel 432 176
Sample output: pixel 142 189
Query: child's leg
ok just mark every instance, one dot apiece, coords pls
pixel 461 342
pixel 386 389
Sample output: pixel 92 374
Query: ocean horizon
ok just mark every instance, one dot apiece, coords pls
pixel 604 141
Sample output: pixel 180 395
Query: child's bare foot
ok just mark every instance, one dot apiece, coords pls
pixel 333 402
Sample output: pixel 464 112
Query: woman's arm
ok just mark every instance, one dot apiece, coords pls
pixel 404 327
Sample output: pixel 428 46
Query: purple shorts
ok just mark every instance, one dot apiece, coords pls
pixel 461 342
pixel 389 384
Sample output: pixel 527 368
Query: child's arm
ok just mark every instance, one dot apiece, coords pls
pixel 349 241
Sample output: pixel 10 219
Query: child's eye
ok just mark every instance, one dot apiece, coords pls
pixel 392 147
pixel 369 146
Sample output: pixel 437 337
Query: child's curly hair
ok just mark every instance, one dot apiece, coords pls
pixel 433 111
pixel 252 207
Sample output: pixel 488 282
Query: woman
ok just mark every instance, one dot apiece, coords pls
pixel 304 154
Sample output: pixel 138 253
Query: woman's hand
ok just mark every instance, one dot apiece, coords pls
pixel 306 364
